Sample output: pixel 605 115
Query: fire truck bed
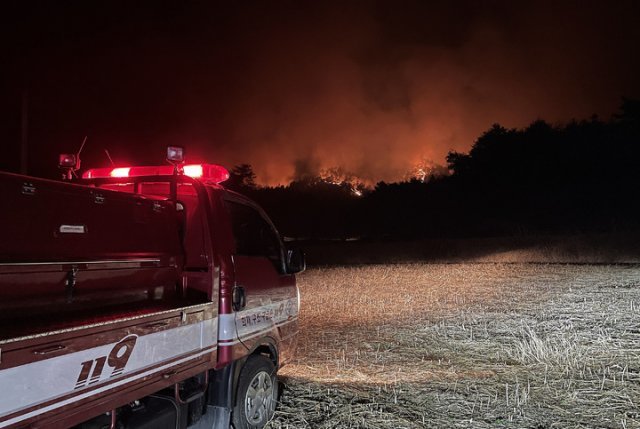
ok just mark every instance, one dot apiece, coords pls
pixel 32 325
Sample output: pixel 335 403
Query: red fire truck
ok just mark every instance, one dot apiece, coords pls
pixel 141 297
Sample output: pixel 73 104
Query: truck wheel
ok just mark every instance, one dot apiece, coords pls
pixel 257 394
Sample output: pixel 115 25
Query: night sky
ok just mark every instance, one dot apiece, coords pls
pixel 292 87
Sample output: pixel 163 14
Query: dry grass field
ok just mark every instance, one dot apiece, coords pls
pixel 466 346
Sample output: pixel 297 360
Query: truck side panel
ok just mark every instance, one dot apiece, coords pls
pixel 269 317
pixel 73 376
pixel 271 309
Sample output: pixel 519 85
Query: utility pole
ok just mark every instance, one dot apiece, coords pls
pixel 24 141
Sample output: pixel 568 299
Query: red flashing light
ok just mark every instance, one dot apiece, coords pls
pixel 194 170
pixel 120 172
pixel 205 172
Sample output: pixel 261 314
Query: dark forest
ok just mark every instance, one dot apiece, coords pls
pixel 572 178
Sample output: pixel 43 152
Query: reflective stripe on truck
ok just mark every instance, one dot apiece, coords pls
pixel 75 376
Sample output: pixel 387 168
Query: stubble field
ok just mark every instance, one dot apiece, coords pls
pixel 466 346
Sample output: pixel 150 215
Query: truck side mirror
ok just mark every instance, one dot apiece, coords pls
pixel 295 261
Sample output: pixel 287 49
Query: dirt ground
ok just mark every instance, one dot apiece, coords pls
pixel 479 345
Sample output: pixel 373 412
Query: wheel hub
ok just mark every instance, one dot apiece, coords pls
pixel 259 402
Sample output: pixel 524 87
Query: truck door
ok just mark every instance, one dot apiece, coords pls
pixel 270 293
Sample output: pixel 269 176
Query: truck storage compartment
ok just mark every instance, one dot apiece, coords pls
pixel 68 248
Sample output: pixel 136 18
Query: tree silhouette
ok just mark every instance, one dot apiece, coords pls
pixel 580 176
pixel 241 178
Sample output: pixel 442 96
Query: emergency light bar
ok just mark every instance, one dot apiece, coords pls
pixel 207 172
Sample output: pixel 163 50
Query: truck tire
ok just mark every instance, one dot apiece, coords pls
pixel 257 394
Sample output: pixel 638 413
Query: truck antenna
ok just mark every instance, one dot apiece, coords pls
pixel 77 166
pixel 81 147
pixel 109 156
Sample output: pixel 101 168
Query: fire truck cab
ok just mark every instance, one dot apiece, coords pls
pixel 141 297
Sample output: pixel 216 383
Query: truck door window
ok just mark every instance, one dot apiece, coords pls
pixel 254 236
